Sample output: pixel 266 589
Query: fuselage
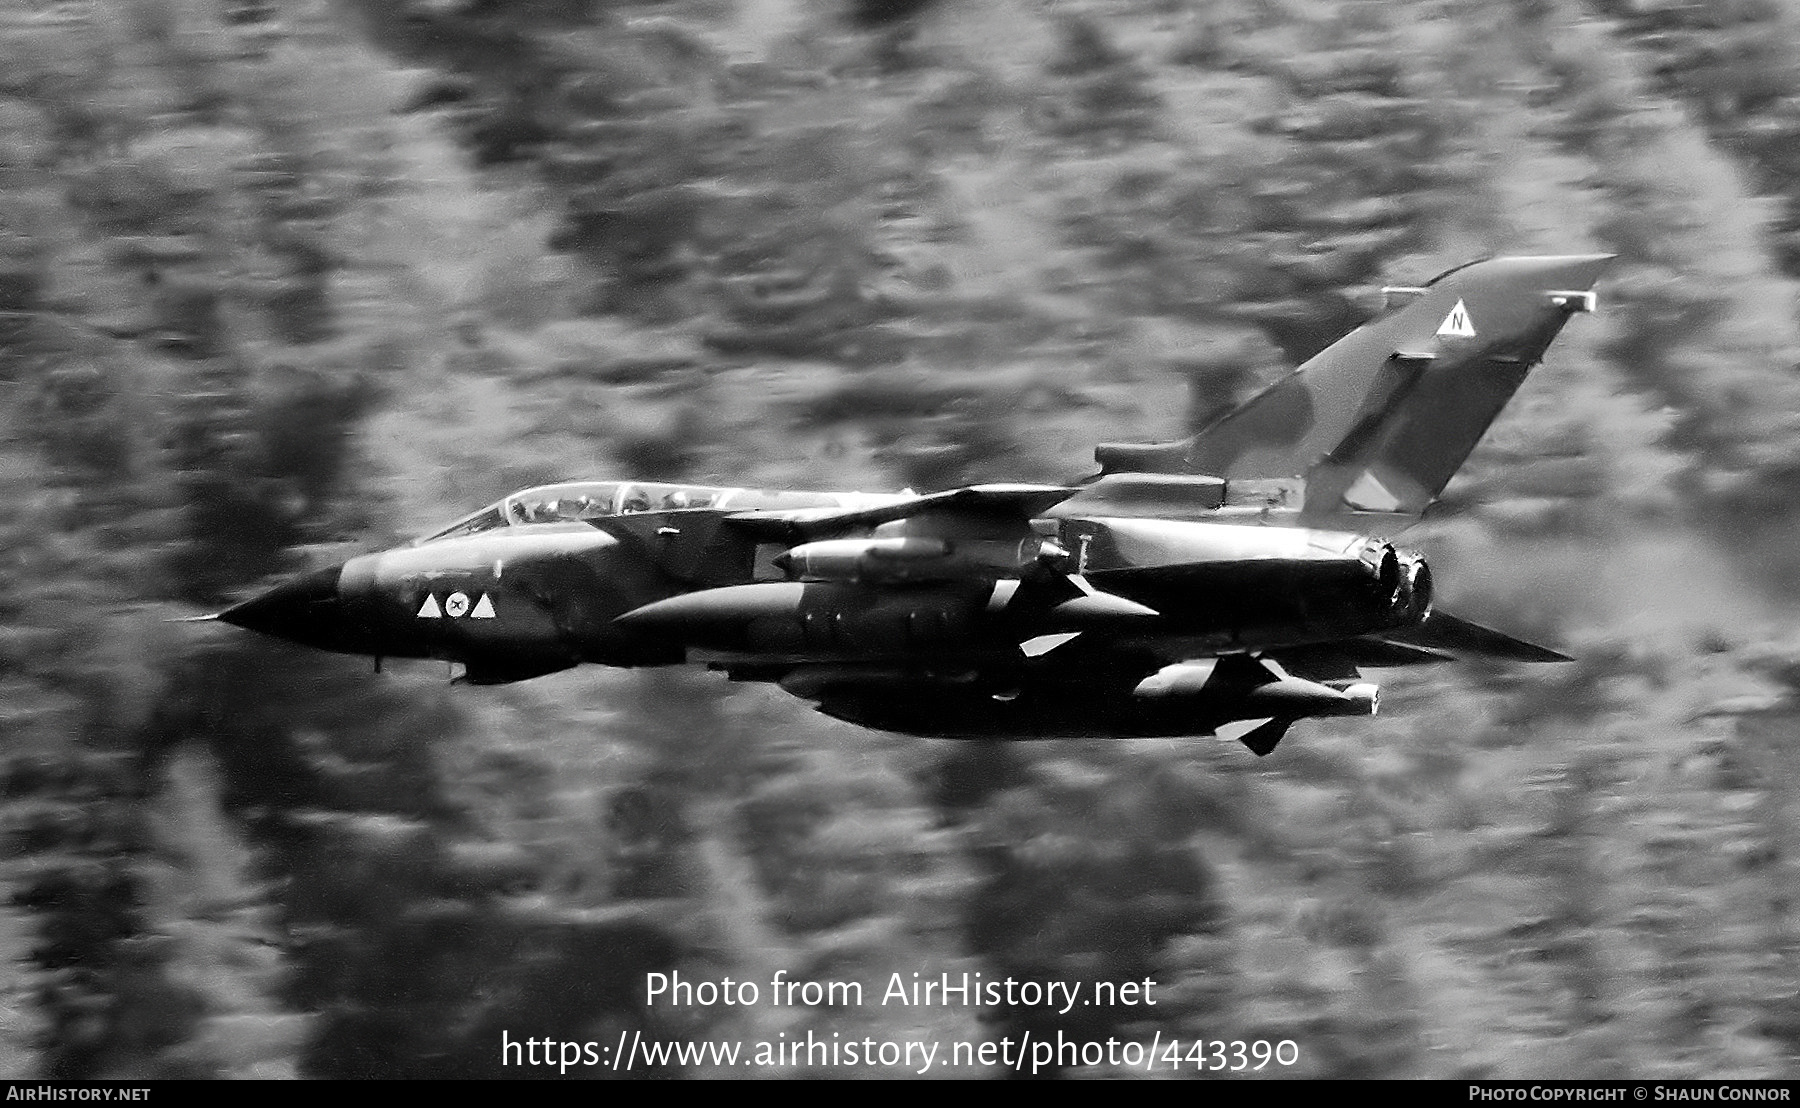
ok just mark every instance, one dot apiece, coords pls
pixel 634 574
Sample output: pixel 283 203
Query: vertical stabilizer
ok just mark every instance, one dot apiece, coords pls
pixel 1382 419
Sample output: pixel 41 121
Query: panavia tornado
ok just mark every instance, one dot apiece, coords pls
pixel 1232 582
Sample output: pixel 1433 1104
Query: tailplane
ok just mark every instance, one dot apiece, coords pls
pixel 1380 421
pixel 1443 631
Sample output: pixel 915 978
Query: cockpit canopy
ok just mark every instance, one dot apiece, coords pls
pixel 581 500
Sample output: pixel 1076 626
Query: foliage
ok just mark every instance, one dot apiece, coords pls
pixel 279 277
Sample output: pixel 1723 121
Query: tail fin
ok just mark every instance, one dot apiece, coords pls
pixel 1382 419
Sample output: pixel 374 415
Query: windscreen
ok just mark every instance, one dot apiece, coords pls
pixel 487 519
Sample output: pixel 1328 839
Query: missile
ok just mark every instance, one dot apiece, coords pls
pixel 1095 611
pixel 912 558
pixel 1089 609
pixel 1283 697
pixel 859 559
pixel 815 619
pixel 1292 696
pixel 716 607
pixel 1284 706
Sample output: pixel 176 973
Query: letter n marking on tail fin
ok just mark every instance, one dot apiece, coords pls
pixel 1457 324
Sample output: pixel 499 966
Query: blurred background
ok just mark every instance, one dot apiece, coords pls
pixel 281 280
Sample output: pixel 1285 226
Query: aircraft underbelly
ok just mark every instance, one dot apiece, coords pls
pixel 978 714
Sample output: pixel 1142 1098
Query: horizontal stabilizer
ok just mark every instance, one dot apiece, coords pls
pixel 1443 631
pixel 1343 660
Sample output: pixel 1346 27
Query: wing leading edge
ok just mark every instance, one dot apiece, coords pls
pixel 1023 502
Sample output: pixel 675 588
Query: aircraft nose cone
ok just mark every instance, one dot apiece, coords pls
pixel 306 610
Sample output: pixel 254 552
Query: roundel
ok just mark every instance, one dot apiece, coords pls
pixel 456 605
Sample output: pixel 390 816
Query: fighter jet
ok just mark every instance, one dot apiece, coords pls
pixel 1232 582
